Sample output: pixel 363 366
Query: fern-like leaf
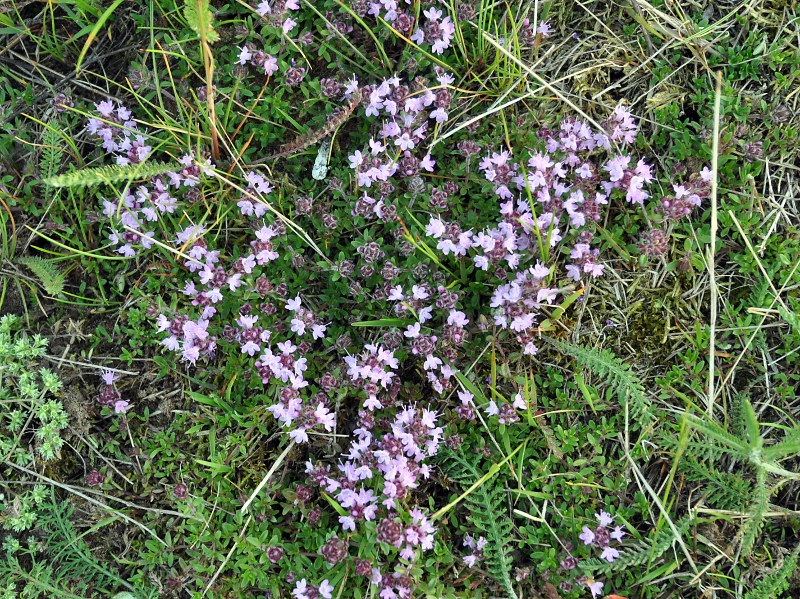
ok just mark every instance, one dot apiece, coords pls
pixel 713 430
pixel 641 552
pixel 51 152
pixel 198 16
pixel 111 174
pixel 789 446
pixel 485 505
pixel 793 318
pixel 772 585
pixel 48 273
pixel 723 490
pixel 604 363
pixel 755 517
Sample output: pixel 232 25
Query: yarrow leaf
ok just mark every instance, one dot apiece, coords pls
pixel 198 16
pixel 111 174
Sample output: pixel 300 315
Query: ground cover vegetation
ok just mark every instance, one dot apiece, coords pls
pixel 360 298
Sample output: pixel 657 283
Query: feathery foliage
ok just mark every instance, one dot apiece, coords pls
pixel 485 513
pixel 629 389
pixel 111 174
pixel 48 273
pixel 755 516
pixel 773 584
pixel 640 552
pixel 723 490
pixel 793 318
pixel 765 461
pixel 201 21
pixel 69 569
pixel 51 151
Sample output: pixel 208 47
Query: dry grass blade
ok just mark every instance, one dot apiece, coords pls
pixel 713 245
pixel 74 491
pixel 547 85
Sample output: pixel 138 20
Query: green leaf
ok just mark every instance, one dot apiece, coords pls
pixel 750 422
pixel 111 174
pixel 384 322
pixel 198 16
pixel 51 277
pixel 719 434
pixel 215 466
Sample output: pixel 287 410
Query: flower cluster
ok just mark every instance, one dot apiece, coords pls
pixel 437 32
pixel 276 13
pixel 477 550
pixel 404 128
pixel 600 538
pixel 132 214
pixel 189 337
pixel 303 590
pixel 369 370
pixel 241 303
pixel 249 55
pixel 119 133
pixel 109 396
pixel 392 464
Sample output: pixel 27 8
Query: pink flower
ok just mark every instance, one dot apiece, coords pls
pixel 427 163
pixel 587 536
pixel 299 435
pixel 356 159
pixel 596 587
pixel 300 589
pixel 609 554
pixel 298 326
pixel 121 406
pixel 405 142
pixel 324 417
pixel 396 294
pixel 376 147
pixel 431 362
pixel 325 587
pixel 435 228
pixel 617 534
pixel 244 55
pixel 288 25
pixel 293 304
pixel 110 376
pixel 270 66
pixel 419 293
pixel 440 115
pixel 412 332
pixel 457 318
pixel 604 518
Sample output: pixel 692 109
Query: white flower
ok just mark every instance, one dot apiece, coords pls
pixel 419 293
pixel 356 159
pixel 244 55
pixel 435 228
pixel 293 304
pixel 412 332
pixel 457 318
